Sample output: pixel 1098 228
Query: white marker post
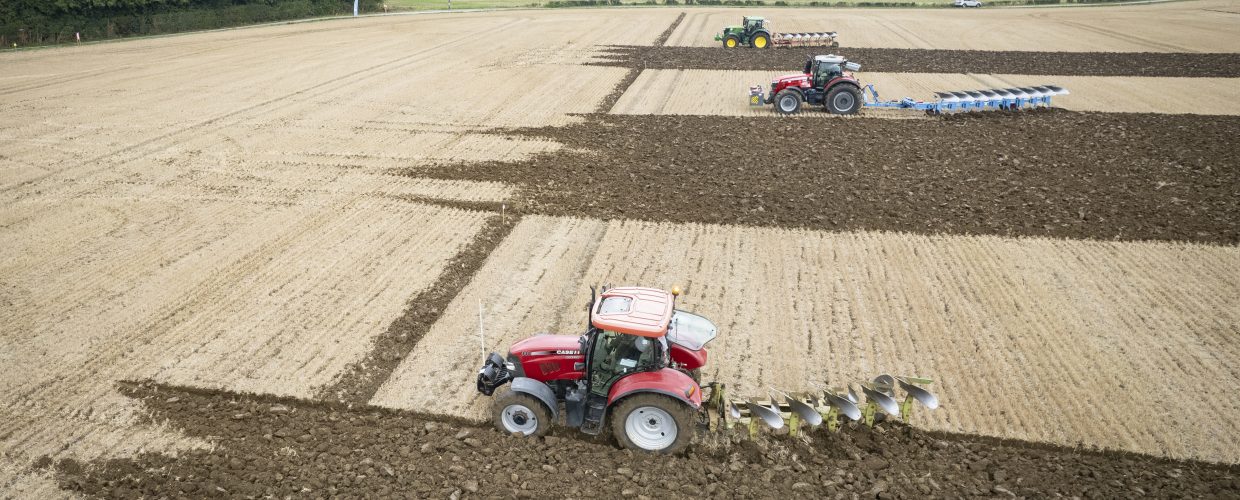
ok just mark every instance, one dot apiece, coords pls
pixel 482 338
pixel 355 8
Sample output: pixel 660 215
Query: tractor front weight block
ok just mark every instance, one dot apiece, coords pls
pixel 493 374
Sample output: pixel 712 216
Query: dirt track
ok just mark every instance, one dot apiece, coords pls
pixel 270 447
pixel 886 60
pixel 1060 174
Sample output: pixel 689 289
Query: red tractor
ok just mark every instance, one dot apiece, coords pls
pixel 636 366
pixel 827 80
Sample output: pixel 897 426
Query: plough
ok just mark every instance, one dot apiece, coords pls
pixel 829 81
pixel 972 100
pixel 818 39
pixel 829 408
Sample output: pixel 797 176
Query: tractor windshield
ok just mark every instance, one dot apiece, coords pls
pixel 616 354
pixel 690 330
pixel 825 72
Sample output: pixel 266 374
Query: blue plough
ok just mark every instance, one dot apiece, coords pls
pixel 971 100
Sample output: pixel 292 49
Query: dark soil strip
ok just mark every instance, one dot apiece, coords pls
pixel 631 76
pixel 1033 173
pixel 269 447
pixel 610 100
pixel 358 382
pixel 499 207
pixel 667 33
pixel 1223 65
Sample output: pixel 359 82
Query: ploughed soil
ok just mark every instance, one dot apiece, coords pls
pixel 1223 65
pixel 1051 173
pixel 267 447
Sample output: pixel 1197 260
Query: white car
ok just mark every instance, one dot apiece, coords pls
pixel 968 3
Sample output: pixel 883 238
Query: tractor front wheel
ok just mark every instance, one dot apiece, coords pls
pixel 760 41
pixel 653 423
pixel 731 41
pixel 788 102
pixel 843 100
pixel 521 413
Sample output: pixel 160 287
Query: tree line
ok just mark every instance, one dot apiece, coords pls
pixel 35 22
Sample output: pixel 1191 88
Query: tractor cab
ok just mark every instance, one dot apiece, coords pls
pixel 825 68
pixel 752 23
pixel 628 334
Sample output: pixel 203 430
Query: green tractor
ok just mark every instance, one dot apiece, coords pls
pixel 752 32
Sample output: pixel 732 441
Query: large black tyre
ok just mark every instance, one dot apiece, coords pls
pixel 731 42
pixel 843 100
pixel 788 102
pixel 653 423
pixel 760 41
pixel 518 412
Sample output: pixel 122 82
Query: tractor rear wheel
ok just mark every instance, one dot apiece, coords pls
pixel 521 413
pixel 760 41
pixel 788 102
pixel 843 100
pixel 731 41
pixel 653 423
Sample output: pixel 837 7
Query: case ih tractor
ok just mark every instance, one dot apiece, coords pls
pixel 636 367
pixel 753 32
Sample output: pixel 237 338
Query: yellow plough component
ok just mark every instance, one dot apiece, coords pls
pixel 829 408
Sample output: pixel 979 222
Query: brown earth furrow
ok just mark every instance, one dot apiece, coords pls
pixel 359 381
pixel 888 60
pixel 1049 173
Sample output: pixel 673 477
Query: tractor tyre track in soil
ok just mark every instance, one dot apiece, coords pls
pixel 610 100
pixel 359 381
pixel 885 60
pixel 1046 173
pixel 268 446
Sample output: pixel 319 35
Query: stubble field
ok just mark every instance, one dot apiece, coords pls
pixel 220 248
